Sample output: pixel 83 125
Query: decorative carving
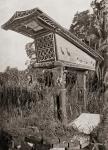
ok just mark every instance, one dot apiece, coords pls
pixel 47 20
pixel 20 14
pixel 44 64
pixel 45 48
pixel 60 80
pixel 46 23
pixel 66 33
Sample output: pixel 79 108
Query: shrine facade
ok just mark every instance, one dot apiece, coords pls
pixel 59 52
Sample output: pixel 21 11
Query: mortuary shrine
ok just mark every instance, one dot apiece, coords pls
pixel 64 57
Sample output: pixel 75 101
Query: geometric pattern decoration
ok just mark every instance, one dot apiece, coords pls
pixel 31 21
pixel 48 21
pixel 45 48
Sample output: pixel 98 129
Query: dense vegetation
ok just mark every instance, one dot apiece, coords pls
pixel 26 107
pixel 25 103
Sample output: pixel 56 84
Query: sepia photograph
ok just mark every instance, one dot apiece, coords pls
pixel 53 75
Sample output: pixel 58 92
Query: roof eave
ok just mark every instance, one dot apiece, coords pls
pixel 55 28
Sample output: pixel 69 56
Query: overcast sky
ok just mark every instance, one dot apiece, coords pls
pixel 12 45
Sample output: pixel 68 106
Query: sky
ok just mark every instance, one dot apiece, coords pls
pixel 12 44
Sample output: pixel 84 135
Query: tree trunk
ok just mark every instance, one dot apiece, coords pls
pixel 105 120
pixel 105 76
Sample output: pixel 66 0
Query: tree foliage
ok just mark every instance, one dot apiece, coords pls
pixel 31 53
pixel 90 26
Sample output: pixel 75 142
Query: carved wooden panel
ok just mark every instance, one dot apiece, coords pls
pixel 67 52
pixel 45 49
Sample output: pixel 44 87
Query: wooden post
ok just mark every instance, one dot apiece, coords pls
pixel 63 105
pixel 81 79
pixel 85 92
pixel 63 96
pixel 85 89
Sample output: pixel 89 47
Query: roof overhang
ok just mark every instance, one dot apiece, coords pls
pixel 26 23
pixel 33 22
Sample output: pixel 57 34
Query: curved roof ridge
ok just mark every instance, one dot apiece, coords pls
pixel 18 15
pixel 70 35
pixel 41 16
